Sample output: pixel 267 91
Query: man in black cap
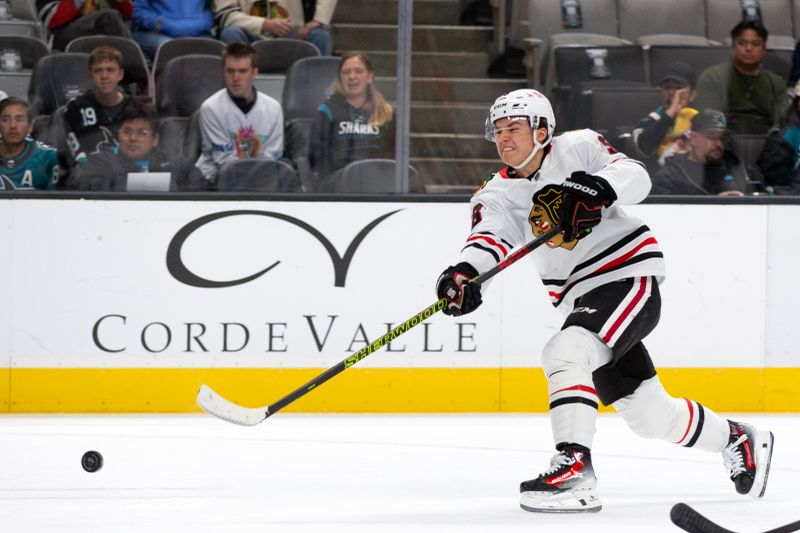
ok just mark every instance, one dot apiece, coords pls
pixel 707 168
pixel 659 133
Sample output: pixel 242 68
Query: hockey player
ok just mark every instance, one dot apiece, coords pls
pixel 602 272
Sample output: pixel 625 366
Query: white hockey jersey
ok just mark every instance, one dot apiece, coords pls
pixel 507 212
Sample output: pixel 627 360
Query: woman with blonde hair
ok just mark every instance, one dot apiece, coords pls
pixel 355 122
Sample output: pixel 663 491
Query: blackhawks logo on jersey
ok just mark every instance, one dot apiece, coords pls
pixel 544 215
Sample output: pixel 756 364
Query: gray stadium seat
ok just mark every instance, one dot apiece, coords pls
pixel 186 82
pixel 548 72
pixel 723 15
pixel 779 62
pixel 307 85
pixel 373 176
pixel 748 147
pixel 275 56
pixel 57 78
pixel 30 49
pixel 645 17
pixel 137 75
pixel 545 19
pixel 182 47
pixel 257 175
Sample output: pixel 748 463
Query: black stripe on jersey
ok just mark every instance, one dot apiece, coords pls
pixel 602 255
pixel 632 261
pixel 572 399
pixel 490 234
pixel 484 248
pixel 700 418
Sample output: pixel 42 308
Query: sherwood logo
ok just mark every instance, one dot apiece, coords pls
pixel 341 264
pixel 579 187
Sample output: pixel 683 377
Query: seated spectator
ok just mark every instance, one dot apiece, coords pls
pixel 752 97
pixel 239 122
pixel 779 160
pixel 24 163
pixel 157 21
pixel 659 135
pixel 707 168
pixel 354 123
pixel 69 19
pixel 91 119
pixel 246 21
pixel 137 151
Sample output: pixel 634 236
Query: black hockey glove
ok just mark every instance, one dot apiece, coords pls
pixel 454 285
pixel 584 197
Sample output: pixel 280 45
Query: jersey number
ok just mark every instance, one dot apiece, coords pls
pixel 476 214
pixel 89 116
pixel 604 142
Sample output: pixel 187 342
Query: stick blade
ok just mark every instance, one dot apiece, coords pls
pixel 690 520
pixel 214 404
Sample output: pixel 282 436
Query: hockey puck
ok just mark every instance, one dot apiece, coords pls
pixel 92 461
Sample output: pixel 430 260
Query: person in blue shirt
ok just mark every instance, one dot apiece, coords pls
pixel 157 21
pixel 24 162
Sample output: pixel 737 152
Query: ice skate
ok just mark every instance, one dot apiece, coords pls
pixel 568 486
pixel 747 458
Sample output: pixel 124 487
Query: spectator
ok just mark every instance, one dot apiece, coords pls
pixel 354 123
pixel 24 163
pixel 707 168
pixel 91 119
pixel 239 122
pixel 779 160
pixel 157 21
pixel 247 21
pixel 659 135
pixel 752 97
pixel 68 19
pixel 137 151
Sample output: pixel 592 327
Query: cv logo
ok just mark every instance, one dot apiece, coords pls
pixel 341 263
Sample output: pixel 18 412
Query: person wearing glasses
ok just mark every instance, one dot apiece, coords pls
pixel 137 152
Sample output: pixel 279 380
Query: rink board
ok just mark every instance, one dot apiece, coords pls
pixel 127 306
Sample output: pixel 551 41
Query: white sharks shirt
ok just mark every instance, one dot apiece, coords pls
pixel 619 247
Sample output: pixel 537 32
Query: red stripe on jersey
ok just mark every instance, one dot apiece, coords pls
pixel 583 388
pixel 691 418
pixel 621 318
pixel 611 264
pixel 490 241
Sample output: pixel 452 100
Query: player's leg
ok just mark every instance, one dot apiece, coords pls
pixel 569 360
pixel 568 485
pixel 652 413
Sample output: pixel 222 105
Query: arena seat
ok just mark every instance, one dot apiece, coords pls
pixel 373 176
pixel 257 175
pixel 187 81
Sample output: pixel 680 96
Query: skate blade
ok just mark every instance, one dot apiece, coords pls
pixel 582 501
pixel 763 455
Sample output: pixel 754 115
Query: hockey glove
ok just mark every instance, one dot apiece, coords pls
pixel 583 199
pixel 454 284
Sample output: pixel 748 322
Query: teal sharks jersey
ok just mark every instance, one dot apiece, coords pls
pixel 36 167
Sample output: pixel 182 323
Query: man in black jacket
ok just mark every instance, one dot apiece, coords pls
pixel 137 152
pixel 707 168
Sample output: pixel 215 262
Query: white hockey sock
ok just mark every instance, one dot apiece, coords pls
pixel 652 413
pixel 573 413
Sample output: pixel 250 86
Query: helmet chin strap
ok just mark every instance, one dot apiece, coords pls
pixel 536 147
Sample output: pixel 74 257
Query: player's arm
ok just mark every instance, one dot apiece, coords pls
pixel 608 177
pixel 488 243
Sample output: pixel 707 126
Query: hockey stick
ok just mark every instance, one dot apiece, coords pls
pixel 218 406
pixel 690 520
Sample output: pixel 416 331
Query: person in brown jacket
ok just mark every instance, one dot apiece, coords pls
pixel 247 21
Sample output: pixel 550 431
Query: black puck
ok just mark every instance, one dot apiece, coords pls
pixel 92 461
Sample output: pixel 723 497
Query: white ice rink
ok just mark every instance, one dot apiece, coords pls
pixel 357 473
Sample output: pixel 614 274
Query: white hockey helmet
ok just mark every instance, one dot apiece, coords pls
pixel 522 103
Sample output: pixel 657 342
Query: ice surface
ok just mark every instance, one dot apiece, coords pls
pixel 358 473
